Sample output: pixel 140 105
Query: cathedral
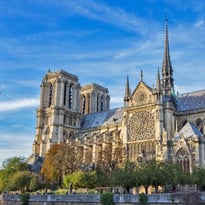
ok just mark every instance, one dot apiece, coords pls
pixel 154 123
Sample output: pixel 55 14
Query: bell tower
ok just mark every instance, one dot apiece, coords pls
pixel 58 115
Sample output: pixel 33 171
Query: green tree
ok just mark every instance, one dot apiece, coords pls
pixel 34 182
pixel 9 168
pixel 151 174
pixel 81 179
pixel 170 174
pixel 199 176
pixel 126 177
pixel 102 178
pixel 19 181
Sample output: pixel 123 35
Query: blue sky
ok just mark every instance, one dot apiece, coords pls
pixel 100 41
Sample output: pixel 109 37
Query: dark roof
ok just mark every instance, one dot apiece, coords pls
pixel 102 118
pixel 188 131
pixel 191 101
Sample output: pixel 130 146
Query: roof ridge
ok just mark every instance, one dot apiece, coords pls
pixel 196 91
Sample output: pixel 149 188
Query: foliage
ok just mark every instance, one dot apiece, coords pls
pixel 24 198
pixel 159 173
pixel 61 159
pixel 20 181
pixel 142 198
pixel 126 177
pixel 81 179
pixel 10 167
pixel 199 178
pixel 34 184
pixel 106 198
pixel 102 178
pixel 15 164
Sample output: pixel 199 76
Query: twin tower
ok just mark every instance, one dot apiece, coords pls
pixel 63 103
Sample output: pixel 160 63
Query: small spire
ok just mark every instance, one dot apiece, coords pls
pixel 141 75
pixel 49 70
pixel 127 90
pixel 158 81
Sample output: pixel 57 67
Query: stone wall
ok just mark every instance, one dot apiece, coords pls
pixel 194 198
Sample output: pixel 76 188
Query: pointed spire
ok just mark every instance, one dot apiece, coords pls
pixel 158 81
pixel 127 89
pixel 167 71
pixel 141 75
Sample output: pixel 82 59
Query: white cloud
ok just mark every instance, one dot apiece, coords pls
pixel 200 23
pixel 18 104
pixel 102 12
pixel 13 145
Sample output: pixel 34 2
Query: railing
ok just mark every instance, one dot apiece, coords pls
pixel 168 198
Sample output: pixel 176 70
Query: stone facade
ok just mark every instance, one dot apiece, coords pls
pixel 154 123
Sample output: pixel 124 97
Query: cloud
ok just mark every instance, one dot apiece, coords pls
pixel 101 12
pixel 200 23
pixel 18 104
pixel 13 145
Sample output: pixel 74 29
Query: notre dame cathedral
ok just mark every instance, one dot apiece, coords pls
pixel 154 122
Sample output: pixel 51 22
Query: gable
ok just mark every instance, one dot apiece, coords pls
pixel 141 95
pixel 189 131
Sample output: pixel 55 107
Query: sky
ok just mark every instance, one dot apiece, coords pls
pixel 100 41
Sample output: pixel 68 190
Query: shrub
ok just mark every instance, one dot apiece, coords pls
pixel 106 198
pixel 142 198
pixel 24 198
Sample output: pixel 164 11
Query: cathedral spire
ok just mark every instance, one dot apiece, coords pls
pixel 127 91
pixel 167 71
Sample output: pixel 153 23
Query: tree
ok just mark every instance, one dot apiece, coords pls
pixel 49 170
pixel 34 182
pixel 171 174
pixel 126 177
pixel 9 168
pixel 81 179
pixel 61 159
pixel 199 175
pixel 19 181
pixel 151 174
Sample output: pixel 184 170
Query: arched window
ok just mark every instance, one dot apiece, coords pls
pixel 65 93
pixel 47 131
pixel 97 103
pixel 50 95
pixel 182 159
pixel 70 97
pixel 71 136
pixel 199 124
pixel 83 104
pixel 65 136
pixel 101 103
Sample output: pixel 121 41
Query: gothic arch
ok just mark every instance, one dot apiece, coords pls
pixel 199 124
pixel 71 136
pixel 50 94
pixel 70 96
pixel 46 134
pixel 182 159
pixel 65 136
pixel 65 92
